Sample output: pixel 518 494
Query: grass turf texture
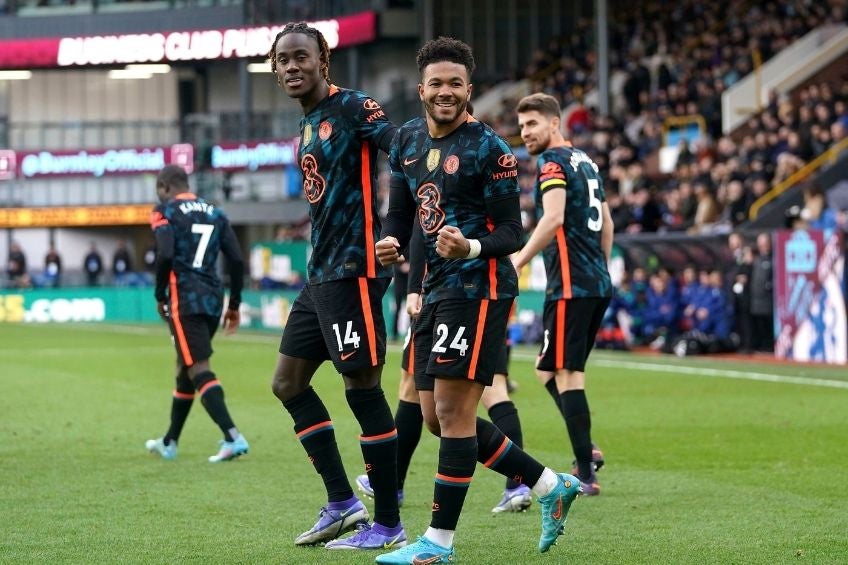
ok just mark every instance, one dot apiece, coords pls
pixel 699 470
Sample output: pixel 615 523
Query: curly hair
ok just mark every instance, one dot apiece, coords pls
pixel 445 49
pixel 302 27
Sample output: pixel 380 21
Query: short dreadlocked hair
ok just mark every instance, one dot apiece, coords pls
pixel 302 27
pixel 445 49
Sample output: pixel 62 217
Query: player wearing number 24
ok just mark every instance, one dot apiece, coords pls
pixel 190 233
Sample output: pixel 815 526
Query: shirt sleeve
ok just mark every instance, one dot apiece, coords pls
pixel 164 235
pixel 235 263
pixel 370 121
pixel 550 174
pixel 499 168
pixel 417 260
pixel 401 212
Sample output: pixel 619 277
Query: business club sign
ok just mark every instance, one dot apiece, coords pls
pixel 173 46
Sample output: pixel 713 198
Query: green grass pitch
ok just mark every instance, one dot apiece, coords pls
pixel 707 462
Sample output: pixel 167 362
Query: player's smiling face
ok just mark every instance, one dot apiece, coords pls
pixel 536 130
pixel 445 90
pixel 298 66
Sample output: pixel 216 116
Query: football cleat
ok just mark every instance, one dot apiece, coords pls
pixel 363 484
pixel 555 506
pixel 229 450
pixel 333 523
pixel 422 551
pixel 371 537
pixel 597 460
pixel 167 452
pixel 517 499
pixel 590 487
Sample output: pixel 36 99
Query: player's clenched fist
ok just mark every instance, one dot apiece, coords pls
pixel 451 244
pixel 388 251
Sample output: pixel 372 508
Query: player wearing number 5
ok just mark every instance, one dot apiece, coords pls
pixel 190 233
pixel 338 316
pixel 460 180
pixel 574 233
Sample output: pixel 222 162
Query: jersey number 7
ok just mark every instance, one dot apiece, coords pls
pixel 205 231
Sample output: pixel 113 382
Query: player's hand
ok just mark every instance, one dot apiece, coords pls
pixel 162 308
pixel 388 251
pixel 413 304
pixel 451 244
pixel 514 260
pixel 232 319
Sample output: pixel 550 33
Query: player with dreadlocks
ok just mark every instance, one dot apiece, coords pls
pixel 338 316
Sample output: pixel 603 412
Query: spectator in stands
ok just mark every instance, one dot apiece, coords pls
pixel 707 212
pixel 93 265
pixel 736 205
pixel 16 265
pixel 121 264
pixel 52 267
pixel 762 299
pixel 660 316
pixel 645 214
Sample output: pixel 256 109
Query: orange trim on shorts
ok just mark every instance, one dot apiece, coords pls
pixel 183 395
pixel 207 386
pixel 365 178
pixel 559 361
pixel 178 326
pixel 478 338
pixel 410 368
pixel 369 319
pixel 564 268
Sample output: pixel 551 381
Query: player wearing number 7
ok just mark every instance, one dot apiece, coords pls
pixel 574 233
pixel 190 233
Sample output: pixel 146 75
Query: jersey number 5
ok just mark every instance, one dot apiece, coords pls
pixel 205 231
pixel 595 203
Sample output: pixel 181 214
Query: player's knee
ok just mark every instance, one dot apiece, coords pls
pixel 285 387
pixel 432 423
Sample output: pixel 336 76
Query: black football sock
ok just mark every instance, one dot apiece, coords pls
pixel 457 459
pixel 379 443
pixel 212 397
pixel 499 453
pixel 551 387
pixel 180 407
pixel 579 424
pixel 409 421
pixel 504 415
pixel 314 429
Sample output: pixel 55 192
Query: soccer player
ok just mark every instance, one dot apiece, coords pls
pixel 338 315
pixel 190 233
pixel 574 233
pixel 408 418
pixel 459 179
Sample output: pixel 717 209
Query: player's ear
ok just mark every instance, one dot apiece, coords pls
pixel 421 91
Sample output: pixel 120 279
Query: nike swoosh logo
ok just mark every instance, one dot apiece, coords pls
pixel 440 360
pixel 427 561
pixel 557 514
pixel 408 162
pixel 346 356
pixel 389 544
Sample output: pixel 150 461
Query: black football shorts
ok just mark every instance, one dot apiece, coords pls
pixel 192 335
pixel 341 321
pixel 570 327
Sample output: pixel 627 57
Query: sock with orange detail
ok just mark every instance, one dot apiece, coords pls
pixel 504 415
pixel 314 429
pixel 457 459
pixel 499 453
pixel 379 444
pixel 212 397
pixel 181 403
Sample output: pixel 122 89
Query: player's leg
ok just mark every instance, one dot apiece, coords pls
pixel 183 398
pixel 503 414
pixel 193 337
pixel 351 317
pixel 408 421
pixel 302 350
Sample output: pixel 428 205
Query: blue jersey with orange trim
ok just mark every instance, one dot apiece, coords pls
pixel 451 178
pixel 197 231
pixel 574 261
pixel 339 139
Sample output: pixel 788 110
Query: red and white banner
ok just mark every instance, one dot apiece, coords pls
pixel 94 162
pixel 810 317
pixel 173 46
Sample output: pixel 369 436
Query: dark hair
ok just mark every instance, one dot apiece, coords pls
pixel 445 49
pixel 172 176
pixel 302 27
pixel 540 102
